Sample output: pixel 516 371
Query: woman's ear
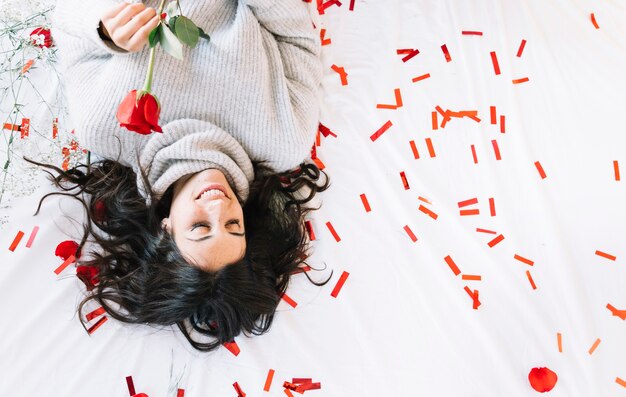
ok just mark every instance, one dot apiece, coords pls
pixel 166 225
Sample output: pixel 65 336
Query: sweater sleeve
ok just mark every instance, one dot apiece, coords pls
pixel 290 23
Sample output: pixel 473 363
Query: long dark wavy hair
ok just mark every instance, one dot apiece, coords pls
pixel 144 278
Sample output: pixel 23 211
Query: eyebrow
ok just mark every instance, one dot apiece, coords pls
pixel 209 236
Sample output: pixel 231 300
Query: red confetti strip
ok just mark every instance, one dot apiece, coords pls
pixel 435 122
pixel 25 128
pixel 446 53
pixel 492 114
pixel 467 202
pixel 323 38
pixel 16 240
pixel 522 80
pixel 542 173
pixel 326 131
pixel 471 277
pixel 381 131
pixel 319 163
pixel 405 181
pixel 593 21
pixel 416 154
pixel 530 279
pixel 288 392
pixel 521 48
pixel 474 154
pixel 494 61
pixel 486 231
pixel 469 212
pixel 342 73
pixel 492 207
pixel 309 229
pixel 180 393
pixel 605 255
pixel 496 149
pixel 408 231
pixel 524 260
pixel 617 313
pixel 308 386
pixel 330 3
pixel 96 313
pixel 559 342
pixel 11 127
pixel 431 150
pixel 419 78
pixel 131 385
pixel 268 380
pixel 398 103
pixel 97 325
pixel 474 296
pixel 594 346
pixel 366 203
pixel 453 266
pixel 289 301
pixel 495 241
pixel 502 124
pixel 301 380
pixel 352 5
pixel 428 212
pixel 232 347
pixel 339 285
pixel 32 236
pixel 65 264
pixel 410 53
pixel 332 231
pixel 620 382
pixel 240 392
pixel 616 170
pixel 471 33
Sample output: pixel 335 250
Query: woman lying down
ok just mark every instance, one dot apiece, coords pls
pixel 198 198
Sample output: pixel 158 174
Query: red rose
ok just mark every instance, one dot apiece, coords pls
pixel 139 115
pixel 542 379
pixel 88 275
pixel 36 41
pixel 67 249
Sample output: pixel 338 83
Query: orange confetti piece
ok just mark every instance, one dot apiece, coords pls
pixel 593 21
pixel 55 127
pixel 453 266
pixel 289 301
pixel 65 264
pixel 605 255
pixel 620 382
pixel 492 207
pixel 366 203
pixel 408 231
pixel 495 241
pixel 32 236
pixel 471 33
pixel 471 277
pixel 616 170
pixel 11 127
pixel 309 229
pixel 16 240
pixel 97 325
pixel 427 201
pixel 617 313
pixel 420 78
pixel 469 212
pixel 428 212
pixel 288 393
pixel 342 73
pixel 435 121
pixel 502 124
pixel 24 128
pixel 27 66
pixel 233 347
pixel 446 53
pixel 405 181
pixel 323 38
pixel 332 231
pixel 522 80
pixel 381 131
pixel 530 279
pixel 339 285
pixel 431 149
pixel 492 114
pixel 474 296
pixel 494 61
pixel 96 313
pixel 416 154
pixel 268 380
pixel 398 103
pixel 467 202
pixel 410 53
pixel 240 392
pixel 524 260
pixel 521 48
pixel 594 346
pixel 474 154
pixel 559 342
pixel 542 173
pixel 319 163
pixel 496 149
pixel 485 231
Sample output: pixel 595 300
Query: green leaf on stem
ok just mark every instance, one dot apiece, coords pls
pixel 204 35
pixel 186 31
pixel 172 23
pixel 153 39
pixel 170 42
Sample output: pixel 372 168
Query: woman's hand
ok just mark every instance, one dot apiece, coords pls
pixel 129 25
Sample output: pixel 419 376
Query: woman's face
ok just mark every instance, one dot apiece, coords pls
pixel 206 220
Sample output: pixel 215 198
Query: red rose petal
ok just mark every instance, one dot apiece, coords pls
pixel 88 275
pixel 151 112
pixel 66 249
pixel 542 379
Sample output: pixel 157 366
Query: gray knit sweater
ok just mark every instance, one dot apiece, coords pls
pixel 251 93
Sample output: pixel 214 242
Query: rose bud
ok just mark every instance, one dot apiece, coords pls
pixel 139 112
pixel 40 37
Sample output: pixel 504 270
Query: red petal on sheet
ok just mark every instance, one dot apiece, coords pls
pixel 542 379
pixel 66 249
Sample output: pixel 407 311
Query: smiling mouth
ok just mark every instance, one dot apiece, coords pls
pixel 214 191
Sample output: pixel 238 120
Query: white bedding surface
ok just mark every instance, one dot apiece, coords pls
pixel 402 325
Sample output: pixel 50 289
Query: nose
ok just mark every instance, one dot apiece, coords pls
pixel 213 210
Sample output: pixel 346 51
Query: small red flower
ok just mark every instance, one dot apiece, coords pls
pixel 88 275
pixel 37 40
pixel 542 379
pixel 66 249
pixel 163 15
pixel 141 114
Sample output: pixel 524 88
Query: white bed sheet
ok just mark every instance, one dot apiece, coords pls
pixel 402 324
